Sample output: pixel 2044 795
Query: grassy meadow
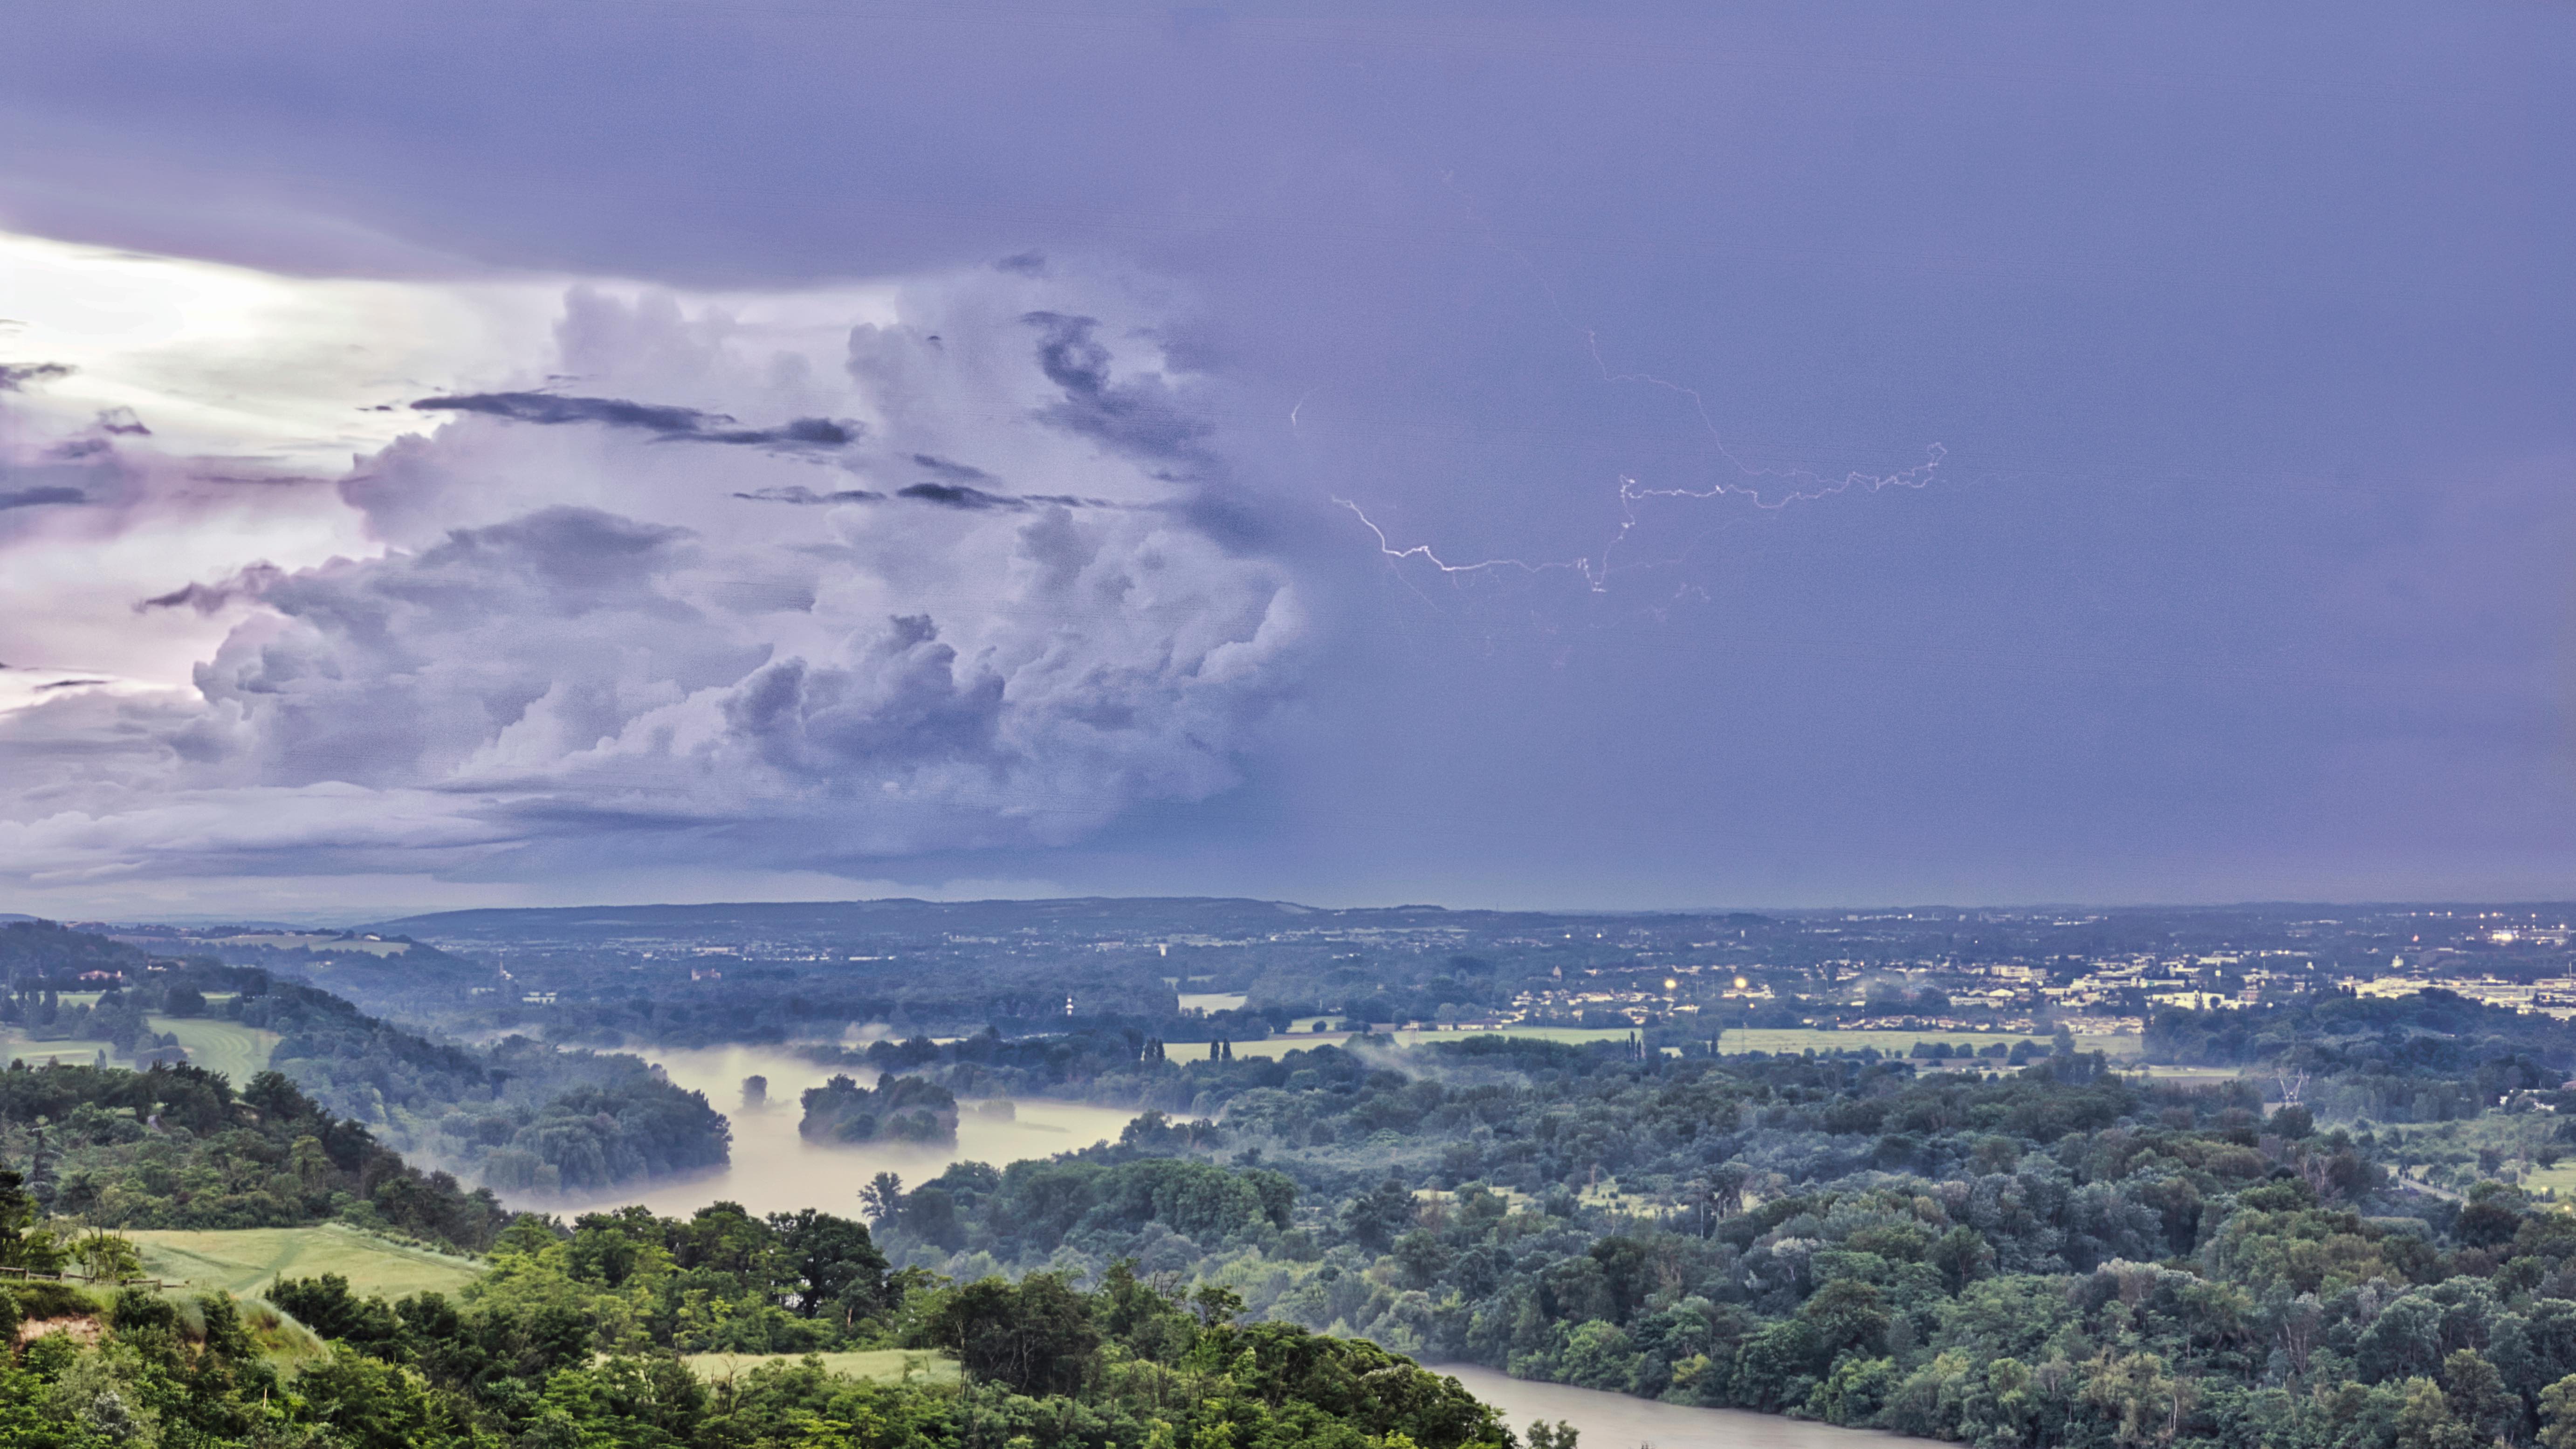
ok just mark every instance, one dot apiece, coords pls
pixel 238 1052
pixel 16 1045
pixel 244 1261
pixel 893 1364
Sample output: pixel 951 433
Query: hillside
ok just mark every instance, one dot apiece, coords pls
pixel 519 1115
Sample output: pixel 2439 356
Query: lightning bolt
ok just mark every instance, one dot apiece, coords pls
pixel 1423 552
pixel 1753 484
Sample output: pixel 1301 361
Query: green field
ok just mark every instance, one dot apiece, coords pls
pixel 247 1260
pixel 2553 1184
pixel 238 1052
pixel 881 1363
pixel 1792 1040
pixel 37 1053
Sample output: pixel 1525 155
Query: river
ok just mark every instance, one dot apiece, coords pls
pixel 774 1170
pixel 1617 1421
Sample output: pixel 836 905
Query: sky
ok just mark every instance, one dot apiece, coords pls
pixel 1601 457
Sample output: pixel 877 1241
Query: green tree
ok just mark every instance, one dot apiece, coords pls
pixel 2558 1414
pixel 1038 1335
pixel 2479 1401
pixel 2425 1421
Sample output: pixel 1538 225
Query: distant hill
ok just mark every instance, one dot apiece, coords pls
pixel 1095 915
pixel 32 950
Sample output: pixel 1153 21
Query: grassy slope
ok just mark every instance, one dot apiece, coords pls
pixel 238 1052
pixel 882 1363
pixel 247 1260
pixel 37 1053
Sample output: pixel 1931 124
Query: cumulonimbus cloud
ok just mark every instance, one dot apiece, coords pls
pixel 579 642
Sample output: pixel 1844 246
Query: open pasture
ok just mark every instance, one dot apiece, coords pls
pixel 246 1260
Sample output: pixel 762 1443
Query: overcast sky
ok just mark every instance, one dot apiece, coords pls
pixel 1601 456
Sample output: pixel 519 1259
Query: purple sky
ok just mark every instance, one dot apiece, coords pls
pixel 2244 338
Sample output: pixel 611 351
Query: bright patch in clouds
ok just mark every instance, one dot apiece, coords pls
pixel 498 579
pixel 276 373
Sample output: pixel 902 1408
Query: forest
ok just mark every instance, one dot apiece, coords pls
pixel 572 1337
pixel 2051 1255
pixel 175 1147
pixel 2021 1248
pixel 519 1115
pixel 901 1109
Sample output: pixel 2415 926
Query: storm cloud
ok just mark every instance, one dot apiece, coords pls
pixel 1138 416
pixel 666 423
pixel 940 495
pixel 577 643
pixel 799 494
pixel 215 597
pixel 2245 575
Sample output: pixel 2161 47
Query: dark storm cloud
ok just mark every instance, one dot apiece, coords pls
pixel 1139 418
pixel 553 408
pixel 211 598
pixel 958 495
pixel 32 497
pixel 71 684
pixel 667 424
pixel 802 433
pixel 122 422
pixel 938 495
pixel 14 376
pixel 800 494
pixel 958 490
pixel 204 598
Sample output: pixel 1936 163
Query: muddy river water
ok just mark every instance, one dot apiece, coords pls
pixel 1616 1421
pixel 774 1170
